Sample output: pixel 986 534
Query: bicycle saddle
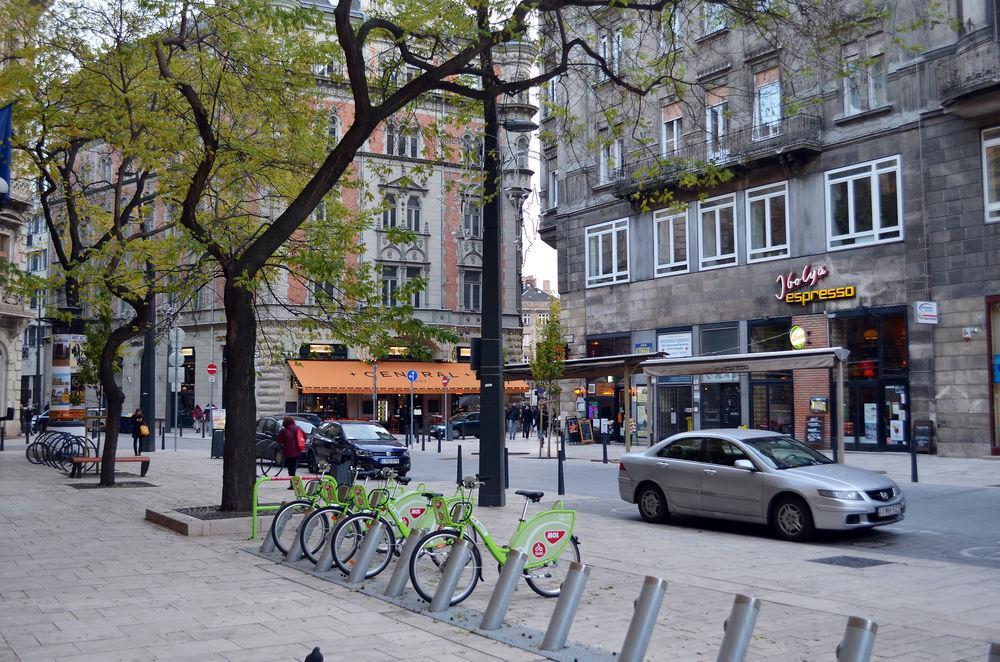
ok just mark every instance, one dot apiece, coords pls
pixel 534 497
pixel 431 495
pixel 403 480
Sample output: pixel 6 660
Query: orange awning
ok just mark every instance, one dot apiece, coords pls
pixel 316 377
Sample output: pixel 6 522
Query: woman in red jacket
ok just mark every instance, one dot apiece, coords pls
pixel 292 441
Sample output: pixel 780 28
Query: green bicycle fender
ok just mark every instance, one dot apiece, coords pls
pixel 412 509
pixel 544 537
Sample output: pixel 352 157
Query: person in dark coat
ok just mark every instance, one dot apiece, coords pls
pixel 137 423
pixel 288 440
pixel 526 419
pixel 512 418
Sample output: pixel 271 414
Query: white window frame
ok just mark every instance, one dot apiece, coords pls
pixel 864 85
pixel 674 266
pixel 713 19
pixel 991 209
pixel 525 319
pixel 413 213
pixel 766 194
pixel 551 96
pixel 888 164
pixel 477 304
pixel 604 50
pixel 715 131
pixel 417 297
pixel 333 130
pixel 472 217
pixel 674 43
pixel 677 125
pixel 765 129
pixel 552 192
pixel 715 206
pixel 611 157
pixel 390 212
pixel 390 284
pixel 613 276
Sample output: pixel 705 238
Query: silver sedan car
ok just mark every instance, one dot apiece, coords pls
pixel 756 476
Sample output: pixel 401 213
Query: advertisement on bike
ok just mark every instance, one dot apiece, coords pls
pixel 67 400
pixel 413 510
pixel 545 536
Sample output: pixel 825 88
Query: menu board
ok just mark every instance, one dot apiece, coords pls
pixel 814 430
pixel 586 431
pixel 573 430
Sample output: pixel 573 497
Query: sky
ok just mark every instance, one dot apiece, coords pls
pixel 539 257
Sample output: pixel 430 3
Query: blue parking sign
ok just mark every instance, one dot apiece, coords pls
pixel 411 375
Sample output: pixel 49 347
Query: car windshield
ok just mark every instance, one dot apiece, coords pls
pixel 367 433
pixel 786 453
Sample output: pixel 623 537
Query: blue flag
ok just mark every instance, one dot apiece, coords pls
pixel 5 131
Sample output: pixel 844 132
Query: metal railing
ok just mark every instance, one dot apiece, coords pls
pixel 968 71
pixel 789 134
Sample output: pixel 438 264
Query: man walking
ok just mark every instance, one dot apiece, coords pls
pixel 511 422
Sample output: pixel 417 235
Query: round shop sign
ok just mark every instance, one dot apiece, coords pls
pixel 797 336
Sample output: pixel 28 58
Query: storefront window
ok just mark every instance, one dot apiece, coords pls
pixel 724 340
pixel 609 345
pixel 877 344
pixel 995 370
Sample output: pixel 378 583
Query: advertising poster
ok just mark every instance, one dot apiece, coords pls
pixel 67 399
pixel 871 423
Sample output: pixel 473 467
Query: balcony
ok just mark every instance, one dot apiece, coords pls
pixel 969 72
pixel 790 136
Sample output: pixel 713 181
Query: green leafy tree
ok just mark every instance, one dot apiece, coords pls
pixel 547 366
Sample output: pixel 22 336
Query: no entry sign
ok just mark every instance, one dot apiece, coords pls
pixel 212 369
pixel 444 380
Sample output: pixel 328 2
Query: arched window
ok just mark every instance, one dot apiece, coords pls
pixel 105 169
pixel 472 217
pixel 471 152
pixel 389 211
pixel 414 132
pixel 391 138
pixel 413 213
pixel 521 153
pixel 333 130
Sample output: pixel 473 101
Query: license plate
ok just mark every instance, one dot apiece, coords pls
pixel 389 460
pixel 889 511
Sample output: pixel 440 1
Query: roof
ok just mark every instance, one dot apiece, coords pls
pixel 535 295
pixel 740 434
pixel 591 366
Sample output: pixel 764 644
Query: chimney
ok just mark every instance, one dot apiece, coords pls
pixel 529 282
pixel 546 286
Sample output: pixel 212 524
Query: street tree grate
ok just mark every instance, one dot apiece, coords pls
pixel 126 483
pixel 213 512
pixel 851 561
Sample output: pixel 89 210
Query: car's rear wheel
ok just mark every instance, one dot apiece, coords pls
pixel 312 462
pixel 792 519
pixel 652 504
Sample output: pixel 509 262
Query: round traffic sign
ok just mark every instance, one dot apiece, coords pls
pixel 212 369
pixel 411 375
pixel 175 359
pixel 445 379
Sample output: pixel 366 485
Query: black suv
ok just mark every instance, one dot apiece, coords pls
pixel 367 446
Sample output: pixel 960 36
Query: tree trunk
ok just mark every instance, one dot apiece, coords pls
pixel 115 397
pixel 239 396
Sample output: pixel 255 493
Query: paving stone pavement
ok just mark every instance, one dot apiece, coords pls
pixel 84 577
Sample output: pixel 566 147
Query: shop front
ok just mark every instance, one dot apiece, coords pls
pixel 993 337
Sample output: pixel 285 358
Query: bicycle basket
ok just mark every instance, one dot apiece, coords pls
pixel 378 497
pixel 461 511
pixel 311 487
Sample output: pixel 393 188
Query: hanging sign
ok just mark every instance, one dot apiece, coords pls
pixel 792 287
pixel 925 312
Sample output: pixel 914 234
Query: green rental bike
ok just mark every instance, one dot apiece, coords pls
pixel 311 497
pixel 547 539
pixel 402 514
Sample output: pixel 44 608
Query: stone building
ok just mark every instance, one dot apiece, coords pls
pixel 535 304
pixel 14 315
pixel 867 216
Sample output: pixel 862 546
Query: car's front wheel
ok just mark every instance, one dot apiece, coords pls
pixel 652 504
pixel 792 519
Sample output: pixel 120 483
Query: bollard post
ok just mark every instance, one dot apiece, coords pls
pixel 738 629
pixel 267 546
pixel 604 449
pixel 994 653
pixel 295 551
pixel 325 561
pixel 459 556
pixel 569 599
pixel 439 442
pixel 423 441
pixel 370 544
pixel 858 641
pixel 458 467
pixel 3 433
pixel 562 482
pixel 510 575
pixel 401 573
pixel 640 628
pixel 506 468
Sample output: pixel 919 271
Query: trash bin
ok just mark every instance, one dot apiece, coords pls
pixel 218 442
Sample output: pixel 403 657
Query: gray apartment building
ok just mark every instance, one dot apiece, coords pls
pixel 863 211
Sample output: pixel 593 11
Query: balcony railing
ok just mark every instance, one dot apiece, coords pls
pixel 968 72
pixel 796 134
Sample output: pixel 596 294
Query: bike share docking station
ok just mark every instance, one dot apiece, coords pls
pixel 856 645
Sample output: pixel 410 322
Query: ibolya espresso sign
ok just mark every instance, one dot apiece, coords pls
pixel 802 288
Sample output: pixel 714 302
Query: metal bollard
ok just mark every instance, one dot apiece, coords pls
pixel 858 641
pixel 560 455
pixel 458 467
pixel 506 468
pixel 401 573
pixel 267 546
pixel 510 575
pixel 325 561
pixel 439 442
pixel 994 653
pixel 640 629
pixel 459 556
pixel 367 552
pixel 423 441
pixel 738 629
pixel 295 552
pixel 569 599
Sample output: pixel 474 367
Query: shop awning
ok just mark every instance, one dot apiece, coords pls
pixel 591 367
pixel 821 357
pixel 317 377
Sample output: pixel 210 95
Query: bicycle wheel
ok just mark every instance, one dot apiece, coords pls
pixel 33 452
pixel 428 561
pixel 315 529
pixel 547 580
pixel 347 539
pixel 285 527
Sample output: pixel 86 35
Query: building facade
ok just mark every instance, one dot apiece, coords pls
pixel 14 315
pixel 535 306
pixel 865 218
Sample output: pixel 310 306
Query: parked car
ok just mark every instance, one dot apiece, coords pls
pixel 267 447
pixel 756 476
pixel 368 446
pixel 307 416
pixel 40 422
pixel 463 425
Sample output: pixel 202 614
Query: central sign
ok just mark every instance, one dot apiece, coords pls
pixel 792 287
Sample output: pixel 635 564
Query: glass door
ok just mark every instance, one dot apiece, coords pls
pixel 673 411
pixel 861 429
pixel 720 405
pixel 771 407
pixel 895 417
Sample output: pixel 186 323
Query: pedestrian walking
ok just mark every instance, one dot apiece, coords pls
pixel 293 442
pixel 198 416
pixel 26 416
pixel 209 408
pixel 526 419
pixel 139 431
pixel 541 421
pixel 512 419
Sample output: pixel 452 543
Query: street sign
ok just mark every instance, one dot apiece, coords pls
pixel 211 379
pixel 175 374
pixel 411 375
pixel 176 336
pixel 212 369
pixel 444 380
pixel 175 359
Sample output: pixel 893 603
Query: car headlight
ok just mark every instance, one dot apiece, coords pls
pixel 360 452
pixel 845 495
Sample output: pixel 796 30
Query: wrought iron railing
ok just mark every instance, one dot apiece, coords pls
pixel 968 71
pixel 798 132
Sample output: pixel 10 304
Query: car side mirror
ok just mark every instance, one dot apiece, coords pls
pixel 744 464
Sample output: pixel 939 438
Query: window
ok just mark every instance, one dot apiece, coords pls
pixel 609 47
pixel 991 173
pixel 333 131
pixel 413 273
pixel 670 29
pixel 720 340
pixel 551 96
pixel 472 217
pixel 542 318
pixel 718 232
pixel 390 283
pixel 38 260
pixel 552 194
pixel 391 138
pixel 413 213
pixel 471 150
pixel 864 83
pixel 402 140
pixel 611 157
pixel 767 222
pixel 521 153
pixel 5 248
pixel 713 18
pixel 863 204
pixel 389 211
pixel 525 320
pixel 671 134
pixel 607 253
pixel 105 169
pixel 670 242
pixel 766 105
pixel 715 130
pixel 472 286
pixel 683 449
pixel 722 452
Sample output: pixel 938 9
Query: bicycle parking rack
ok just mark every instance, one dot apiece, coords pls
pixel 640 628
pixel 858 641
pixel 458 557
pixel 510 576
pixel 738 629
pixel 400 574
pixel 994 655
pixel 256 507
pixel 367 552
pixel 55 448
pixel 566 604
